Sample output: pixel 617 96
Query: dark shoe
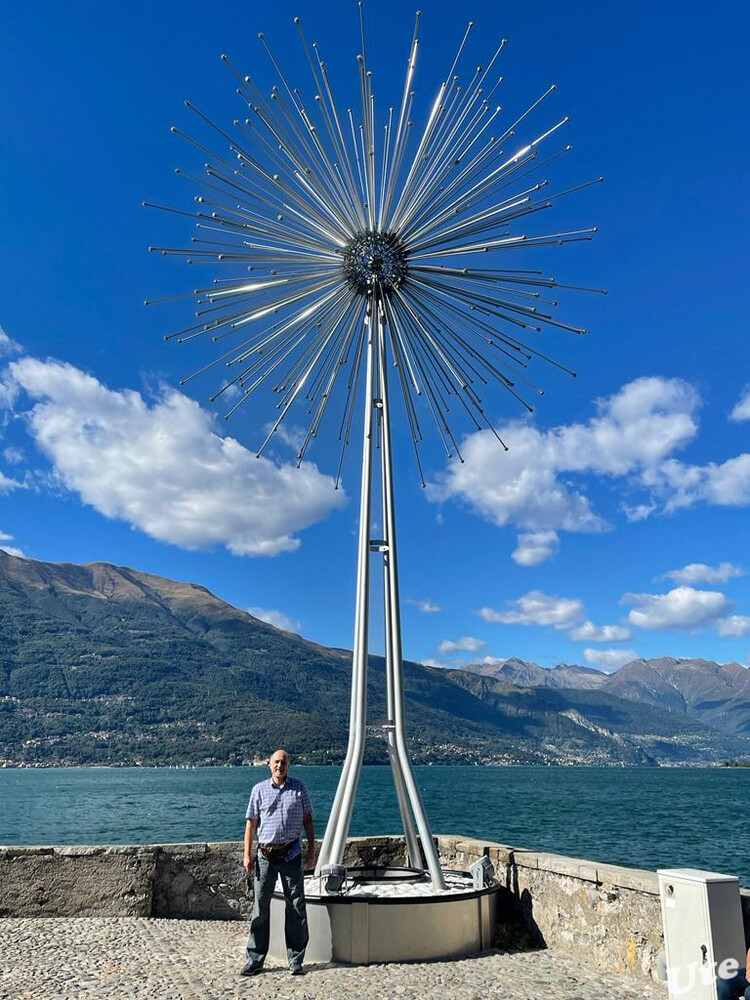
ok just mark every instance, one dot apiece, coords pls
pixel 251 969
pixel 296 970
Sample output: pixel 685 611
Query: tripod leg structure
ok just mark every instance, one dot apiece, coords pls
pixel 407 790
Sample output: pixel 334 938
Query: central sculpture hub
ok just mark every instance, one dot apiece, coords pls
pixel 375 260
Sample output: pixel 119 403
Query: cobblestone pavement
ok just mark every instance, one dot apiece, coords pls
pixel 130 958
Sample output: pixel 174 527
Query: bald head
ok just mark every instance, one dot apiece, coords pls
pixel 278 764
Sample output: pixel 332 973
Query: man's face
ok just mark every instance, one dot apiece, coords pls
pixel 279 765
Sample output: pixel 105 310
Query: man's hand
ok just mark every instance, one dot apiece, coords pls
pixel 307 820
pixel 247 860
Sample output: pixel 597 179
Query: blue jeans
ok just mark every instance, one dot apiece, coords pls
pixel 295 917
pixel 732 989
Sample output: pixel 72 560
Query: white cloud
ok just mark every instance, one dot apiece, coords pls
pixel 701 573
pixel 681 486
pixel 538 608
pixel 162 467
pixel 734 627
pixel 518 487
pixel 12 550
pixel 14 456
pixel 292 436
pixel 467 644
pixel 588 632
pixel 535 547
pixel 8 346
pixel 638 512
pixel 8 485
pixel 609 660
pixel 741 410
pixel 633 438
pixel 277 618
pixel 9 391
pixel 680 608
pixel 728 484
pixel 427 607
pixel 635 431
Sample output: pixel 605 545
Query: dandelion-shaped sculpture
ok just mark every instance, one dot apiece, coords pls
pixel 349 257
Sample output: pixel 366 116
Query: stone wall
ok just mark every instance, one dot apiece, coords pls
pixel 605 915
pixel 197 881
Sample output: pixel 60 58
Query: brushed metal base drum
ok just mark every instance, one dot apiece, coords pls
pixel 392 915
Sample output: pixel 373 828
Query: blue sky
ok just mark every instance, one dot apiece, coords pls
pixel 617 523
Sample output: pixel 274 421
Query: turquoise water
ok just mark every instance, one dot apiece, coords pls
pixel 646 817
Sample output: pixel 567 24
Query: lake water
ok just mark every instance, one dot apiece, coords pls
pixel 645 817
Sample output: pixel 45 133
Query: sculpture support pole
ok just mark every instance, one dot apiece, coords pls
pixel 334 842
pixel 394 629
pixel 412 847
pixel 407 790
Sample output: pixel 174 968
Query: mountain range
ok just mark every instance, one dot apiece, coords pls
pixel 102 664
pixel 712 693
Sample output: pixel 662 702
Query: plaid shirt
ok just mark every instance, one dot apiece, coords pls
pixel 280 812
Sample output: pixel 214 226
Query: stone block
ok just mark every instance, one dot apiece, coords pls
pixel 201 882
pixel 501 854
pixel 193 850
pixel 448 844
pixel 474 848
pixel 22 852
pixel 525 859
pixel 77 882
pixel 637 879
pixel 79 851
pixel 563 865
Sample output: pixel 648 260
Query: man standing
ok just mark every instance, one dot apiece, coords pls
pixel 278 810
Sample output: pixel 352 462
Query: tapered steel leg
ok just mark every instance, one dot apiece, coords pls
pixel 334 842
pixel 412 847
pixel 394 629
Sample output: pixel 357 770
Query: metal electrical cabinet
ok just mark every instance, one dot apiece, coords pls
pixel 702 920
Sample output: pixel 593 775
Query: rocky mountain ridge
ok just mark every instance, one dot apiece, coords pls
pixel 717 694
pixel 102 664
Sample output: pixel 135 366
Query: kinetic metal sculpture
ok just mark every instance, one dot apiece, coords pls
pixel 365 255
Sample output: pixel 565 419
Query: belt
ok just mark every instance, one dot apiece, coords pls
pixel 276 852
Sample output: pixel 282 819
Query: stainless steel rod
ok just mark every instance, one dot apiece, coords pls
pixel 402 796
pixel 428 845
pixel 334 841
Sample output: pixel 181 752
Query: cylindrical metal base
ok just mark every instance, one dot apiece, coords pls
pixel 392 916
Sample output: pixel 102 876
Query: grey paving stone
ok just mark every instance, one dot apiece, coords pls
pixel 111 958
